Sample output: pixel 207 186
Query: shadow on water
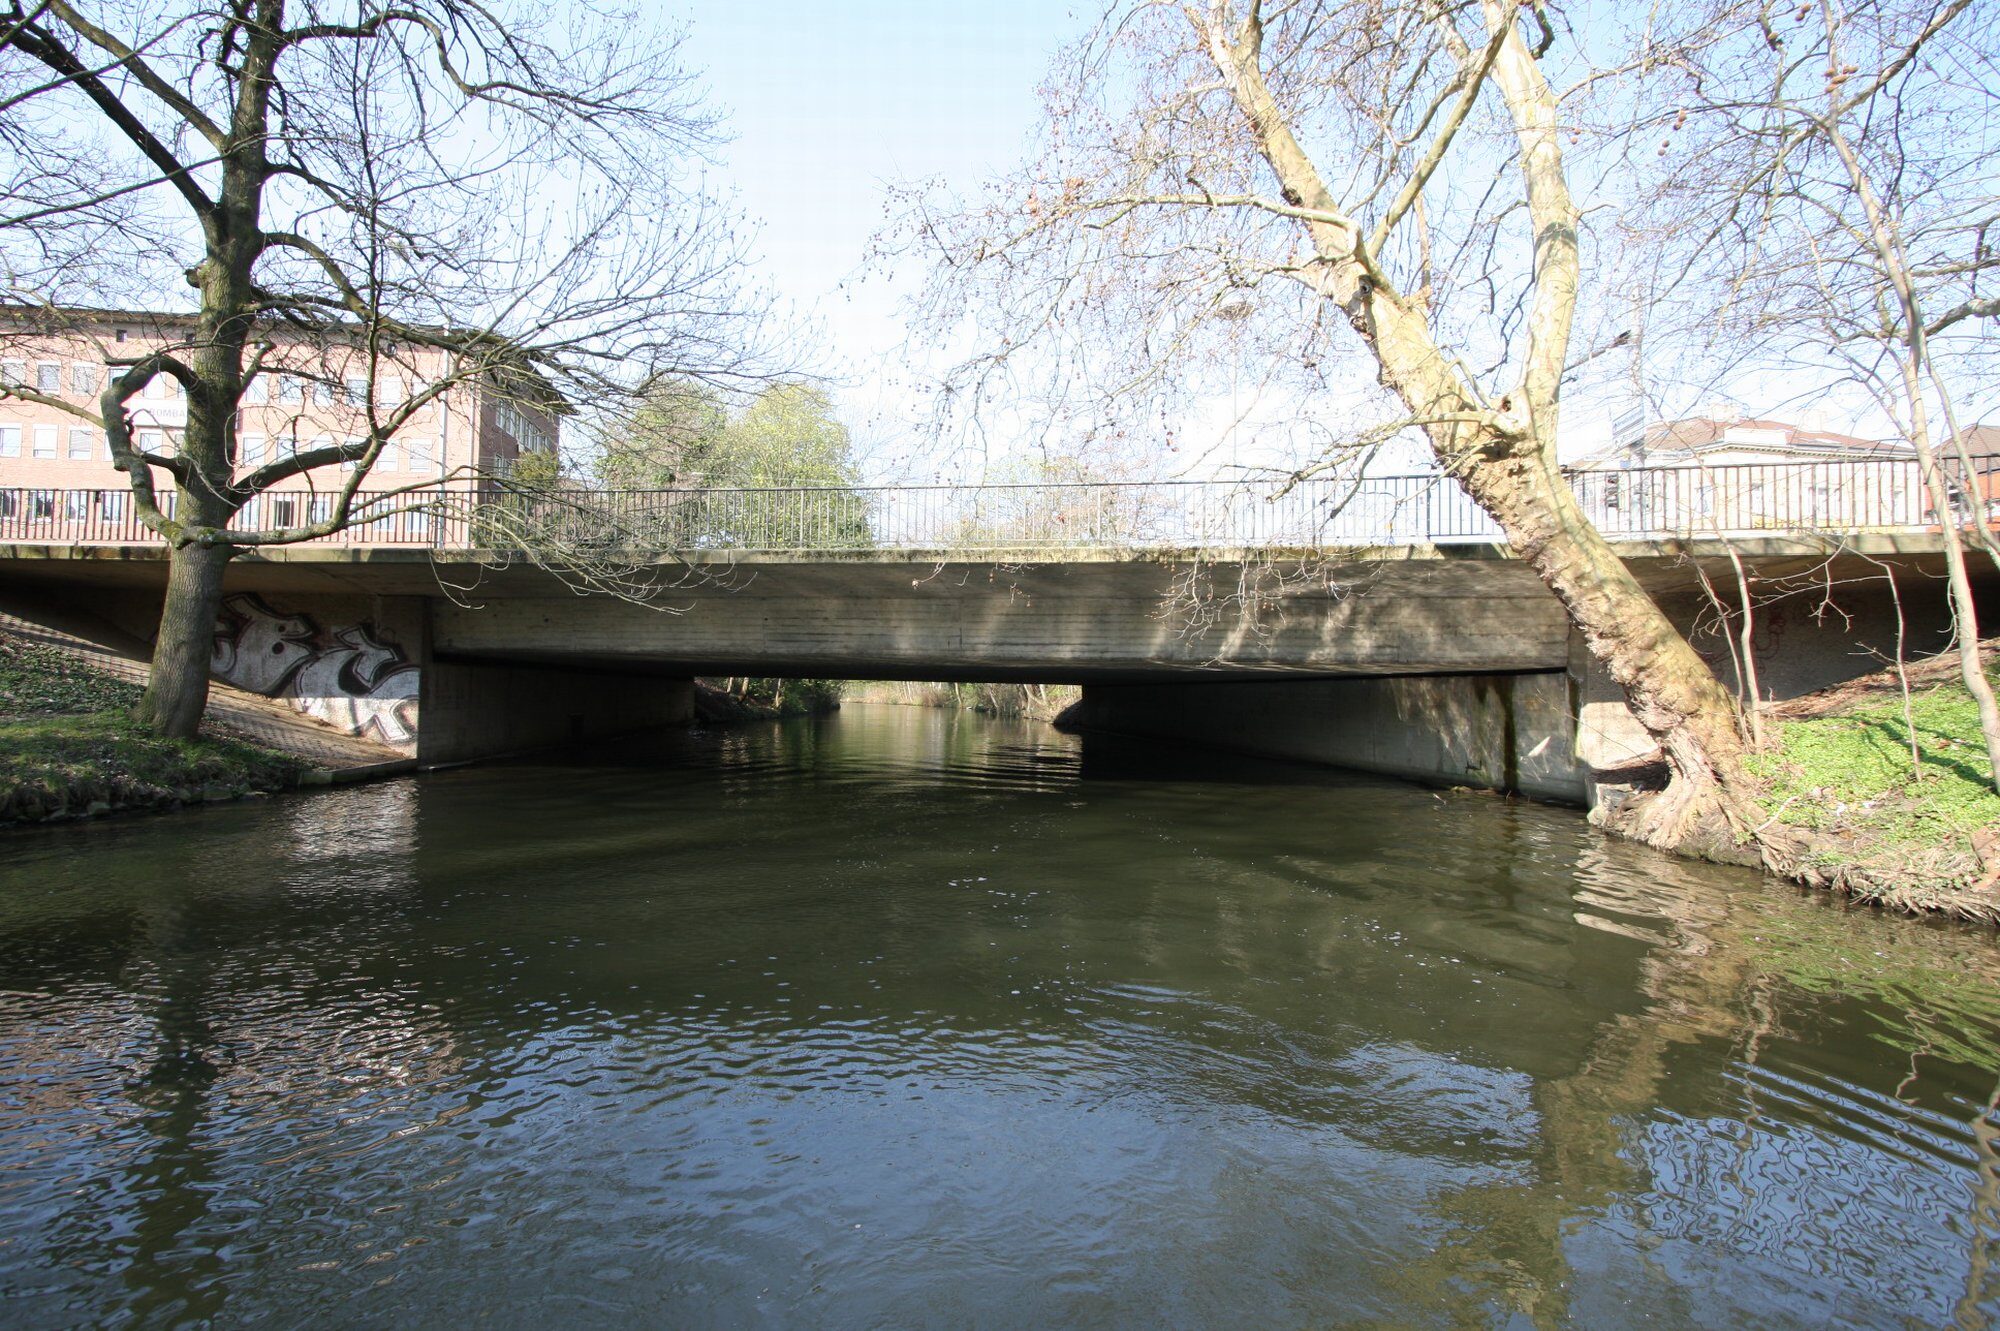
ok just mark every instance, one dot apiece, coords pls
pixel 908 1017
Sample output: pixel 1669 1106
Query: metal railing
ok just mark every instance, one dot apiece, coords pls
pixel 1648 503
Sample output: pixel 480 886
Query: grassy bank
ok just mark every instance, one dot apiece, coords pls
pixel 1911 830
pixel 68 747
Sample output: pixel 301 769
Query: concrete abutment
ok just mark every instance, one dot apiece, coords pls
pixel 483 709
pixel 1513 732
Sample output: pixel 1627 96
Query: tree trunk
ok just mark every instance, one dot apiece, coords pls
pixel 177 689
pixel 1670 689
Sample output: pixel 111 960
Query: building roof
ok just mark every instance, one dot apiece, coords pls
pixel 1668 442
pixel 1982 443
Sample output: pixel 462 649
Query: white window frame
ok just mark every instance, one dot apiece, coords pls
pixel 82 444
pixel 45 441
pixel 10 441
pixel 250 450
pixel 290 390
pixel 83 377
pixel 258 391
pixel 48 377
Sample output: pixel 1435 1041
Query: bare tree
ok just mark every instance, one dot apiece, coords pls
pixel 1832 196
pixel 1390 180
pixel 347 188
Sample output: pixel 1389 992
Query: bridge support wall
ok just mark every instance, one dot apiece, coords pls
pixel 1514 732
pixel 474 710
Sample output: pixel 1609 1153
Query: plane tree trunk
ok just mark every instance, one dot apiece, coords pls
pixel 1504 450
pixel 1670 689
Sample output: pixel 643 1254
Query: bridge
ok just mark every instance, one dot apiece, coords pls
pixel 1385 594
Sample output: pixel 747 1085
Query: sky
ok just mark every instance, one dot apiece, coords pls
pixel 830 103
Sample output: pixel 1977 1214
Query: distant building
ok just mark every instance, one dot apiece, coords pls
pixel 1716 442
pixel 1743 474
pixel 312 391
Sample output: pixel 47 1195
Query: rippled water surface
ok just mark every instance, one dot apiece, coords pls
pixel 904 1018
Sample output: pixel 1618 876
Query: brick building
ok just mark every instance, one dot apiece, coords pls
pixel 312 391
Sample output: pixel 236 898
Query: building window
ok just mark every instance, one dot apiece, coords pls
pixel 81 442
pixel 158 387
pixel 389 392
pixel 390 458
pixel 530 436
pixel 82 378
pixel 76 505
pixel 10 441
pixel 112 505
pixel 420 455
pixel 150 441
pixel 322 393
pixel 357 393
pixel 290 390
pixel 45 441
pixel 250 448
pixel 258 390
pixel 48 377
pixel 14 371
pixel 284 513
pixel 354 447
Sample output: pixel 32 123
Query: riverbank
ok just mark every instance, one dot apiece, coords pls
pixel 69 749
pixel 1028 702
pixel 716 703
pixel 1885 781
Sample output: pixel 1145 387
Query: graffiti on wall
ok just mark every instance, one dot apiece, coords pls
pixel 348 677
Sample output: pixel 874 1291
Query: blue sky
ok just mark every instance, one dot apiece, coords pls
pixel 829 102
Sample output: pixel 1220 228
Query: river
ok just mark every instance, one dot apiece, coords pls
pixel 918 1019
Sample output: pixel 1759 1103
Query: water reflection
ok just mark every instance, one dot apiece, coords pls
pixel 916 1018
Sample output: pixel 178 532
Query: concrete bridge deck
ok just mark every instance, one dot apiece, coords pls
pixel 1077 617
